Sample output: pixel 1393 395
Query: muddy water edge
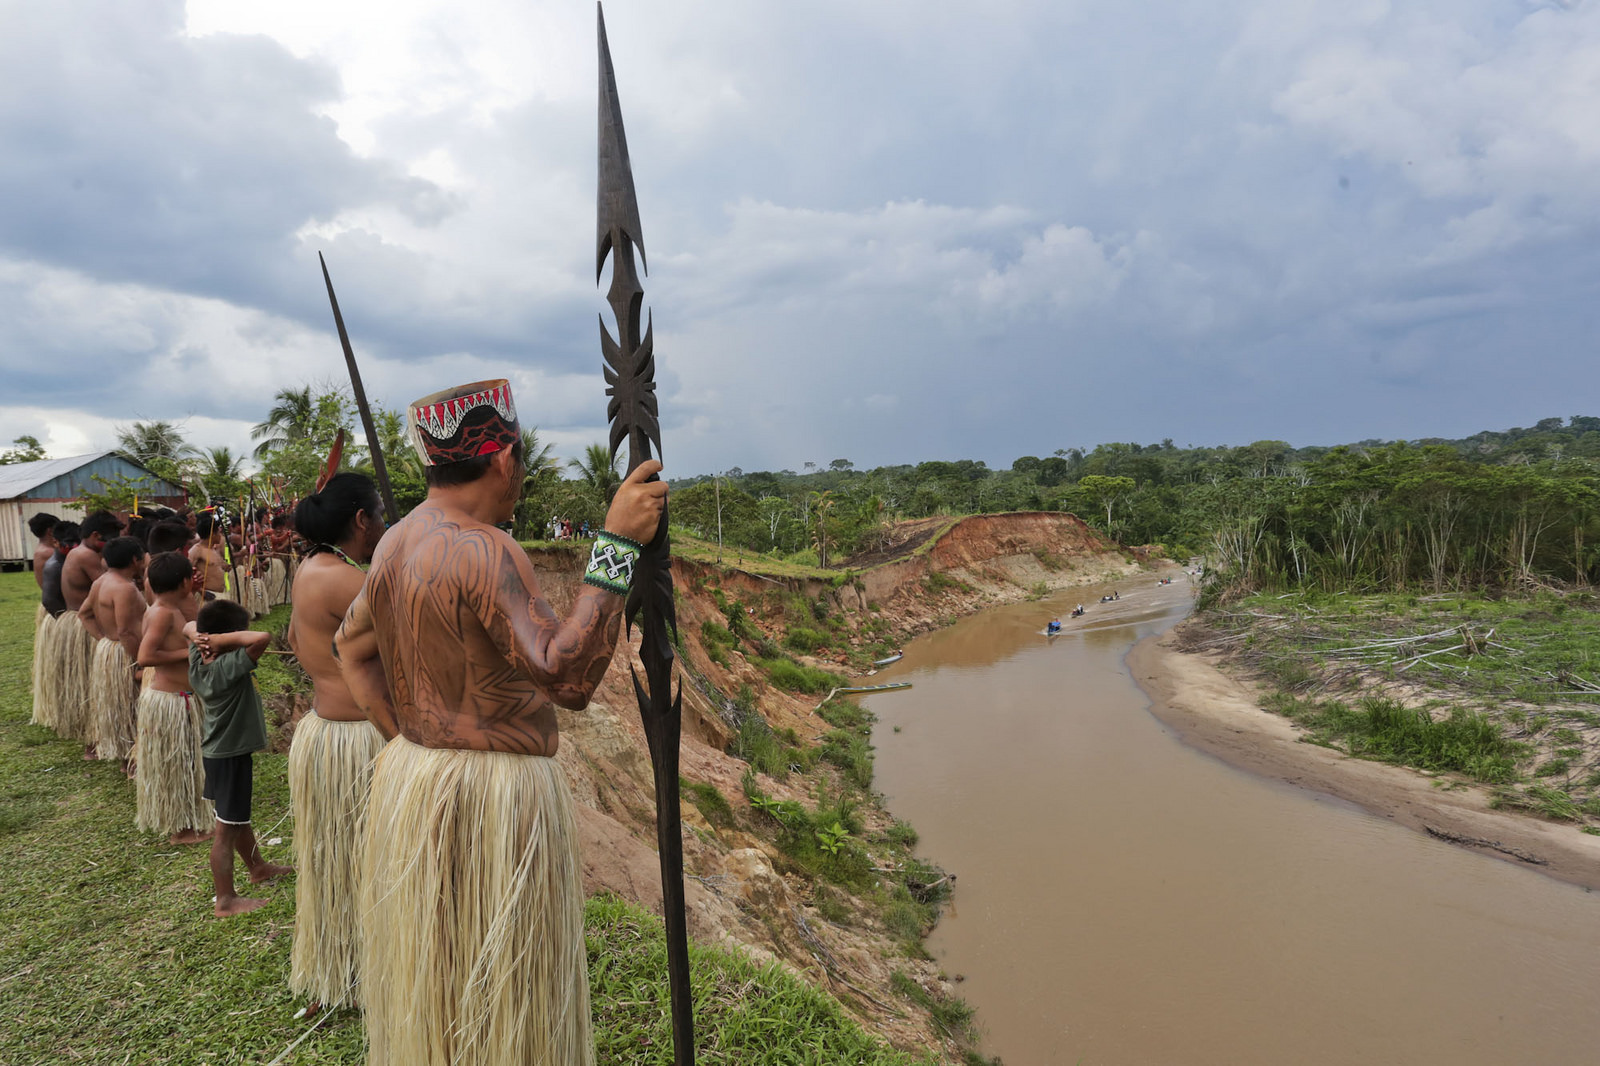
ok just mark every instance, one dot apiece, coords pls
pixel 1123 898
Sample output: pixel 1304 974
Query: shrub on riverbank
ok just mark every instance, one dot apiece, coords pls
pixel 1501 689
pixel 1386 730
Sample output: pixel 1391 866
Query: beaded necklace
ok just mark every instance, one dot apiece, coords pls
pixel 334 548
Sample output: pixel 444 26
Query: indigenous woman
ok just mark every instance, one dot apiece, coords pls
pixel 330 757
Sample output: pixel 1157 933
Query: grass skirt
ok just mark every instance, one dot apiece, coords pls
pixel 472 912
pixel 277 579
pixel 74 697
pixel 45 670
pixel 255 597
pixel 330 774
pixel 115 699
pixel 168 773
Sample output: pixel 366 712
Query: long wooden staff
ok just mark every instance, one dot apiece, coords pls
pixel 379 467
pixel 630 375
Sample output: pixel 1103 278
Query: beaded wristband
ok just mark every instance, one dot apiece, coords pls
pixel 611 562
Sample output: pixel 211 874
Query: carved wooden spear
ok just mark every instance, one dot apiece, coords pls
pixel 630 377
pixel 378 465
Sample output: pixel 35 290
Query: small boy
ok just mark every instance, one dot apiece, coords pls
pixel 170 775
pixel 222 657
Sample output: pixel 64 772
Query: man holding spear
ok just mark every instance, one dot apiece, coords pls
pixel 472 900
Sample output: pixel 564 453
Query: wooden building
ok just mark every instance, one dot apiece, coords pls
pixel 57 486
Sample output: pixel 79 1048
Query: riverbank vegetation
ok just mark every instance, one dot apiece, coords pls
pixel 1502 690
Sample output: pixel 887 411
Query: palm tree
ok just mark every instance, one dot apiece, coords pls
pixel 398 454
pixel 536 457
pixel 219 472
pixel 598 470
pixel 291 417
pixel 147 442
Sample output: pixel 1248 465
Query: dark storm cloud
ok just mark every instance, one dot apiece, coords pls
pixel 889 232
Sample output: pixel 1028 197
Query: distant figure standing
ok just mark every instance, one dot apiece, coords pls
pixel 168 770
pixel 114 612
pixel 76 644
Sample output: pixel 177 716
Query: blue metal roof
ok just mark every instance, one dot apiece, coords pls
pixel 69 478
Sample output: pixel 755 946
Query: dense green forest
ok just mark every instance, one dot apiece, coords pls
pixel 1493 510
pixel 1489 510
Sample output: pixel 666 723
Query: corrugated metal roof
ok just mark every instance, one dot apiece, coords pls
pixel 18 478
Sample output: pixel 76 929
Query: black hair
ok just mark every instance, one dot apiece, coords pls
pixel 139 528
pixel 67 533
pixel 41 523
pixel 325 517
pixel 167 571
pixel 280 521
pixel 122 551
pixel 103 522
pixel 167 537
pixel 467 470
pixel 205 524
pixel 222 616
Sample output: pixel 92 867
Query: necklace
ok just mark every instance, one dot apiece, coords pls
pixel 334 548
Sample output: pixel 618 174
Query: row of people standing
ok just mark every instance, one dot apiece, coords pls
pixel 438 877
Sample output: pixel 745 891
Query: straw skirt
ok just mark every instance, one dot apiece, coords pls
pixel 114 696
pixel 168 772
pixel 45 668
pixel 330 774
pixel 74 695
pixel 472 912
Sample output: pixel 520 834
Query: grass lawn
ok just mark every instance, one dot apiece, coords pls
pixel 109 953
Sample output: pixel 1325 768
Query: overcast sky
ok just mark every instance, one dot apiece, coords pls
pixel 883 231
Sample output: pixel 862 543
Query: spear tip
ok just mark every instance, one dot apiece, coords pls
pixel 618 206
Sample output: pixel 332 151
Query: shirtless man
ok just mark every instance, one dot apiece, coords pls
pixel 330 756
pixel 207 556
pixel 84 563
pixel 75 644
pixel 453 652
pixel 40 526
pixel 168 770
pixel 114 613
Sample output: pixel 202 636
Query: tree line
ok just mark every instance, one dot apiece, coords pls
pixel 1494 509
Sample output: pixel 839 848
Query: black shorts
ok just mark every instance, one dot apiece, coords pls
pixel 228 786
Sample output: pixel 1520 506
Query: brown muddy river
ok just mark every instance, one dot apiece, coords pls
pixel 1123 898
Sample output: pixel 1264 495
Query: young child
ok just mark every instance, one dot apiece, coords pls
pixel 170 774
pixel 222 659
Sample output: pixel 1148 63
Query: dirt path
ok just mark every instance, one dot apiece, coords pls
pixel 1220 715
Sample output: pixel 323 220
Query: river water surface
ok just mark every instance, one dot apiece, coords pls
pixel 1122 898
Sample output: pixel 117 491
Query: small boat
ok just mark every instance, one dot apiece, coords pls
pixel 1053 628
pixel 896 657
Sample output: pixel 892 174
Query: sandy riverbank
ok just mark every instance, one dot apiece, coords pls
pixel 1220 715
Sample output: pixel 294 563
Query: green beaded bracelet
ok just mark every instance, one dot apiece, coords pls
pixel 611 562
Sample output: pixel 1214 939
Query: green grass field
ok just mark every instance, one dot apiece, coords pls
pixel 109 953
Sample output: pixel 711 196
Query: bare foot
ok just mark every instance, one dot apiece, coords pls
pixel 268 872
pixel 189 836
pixel 130 769
pixel 89 753
pixel 236 905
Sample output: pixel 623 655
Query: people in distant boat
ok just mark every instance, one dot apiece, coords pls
pixel 1077 611
pixel 1053 626
pixel 1110 596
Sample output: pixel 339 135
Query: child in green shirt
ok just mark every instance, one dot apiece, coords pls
pixel 223 652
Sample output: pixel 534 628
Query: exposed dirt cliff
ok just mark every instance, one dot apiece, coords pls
pixel 745 887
